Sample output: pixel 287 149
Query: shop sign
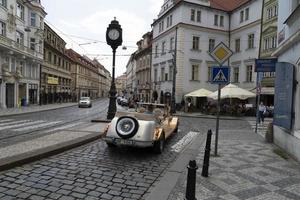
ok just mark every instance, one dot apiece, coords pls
pixel 52 81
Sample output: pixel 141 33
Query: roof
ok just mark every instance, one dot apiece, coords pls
pixel 227 5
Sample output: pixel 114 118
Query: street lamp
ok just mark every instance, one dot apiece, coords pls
pixel 114 39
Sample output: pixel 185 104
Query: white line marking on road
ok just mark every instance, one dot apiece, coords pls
pixel 37 126
pixel 184 141
pixel 63 127
pixel 5 120
pixel 19 125
pixel 12 123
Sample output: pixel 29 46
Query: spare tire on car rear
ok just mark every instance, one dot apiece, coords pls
pixel 127 127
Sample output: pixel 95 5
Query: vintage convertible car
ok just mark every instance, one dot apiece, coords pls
pixel 142 128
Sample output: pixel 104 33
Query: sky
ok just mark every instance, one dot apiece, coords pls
pixel 83 24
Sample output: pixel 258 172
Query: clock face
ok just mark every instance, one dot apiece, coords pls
pixel 113 34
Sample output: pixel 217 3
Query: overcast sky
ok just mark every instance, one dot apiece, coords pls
pixel 79 22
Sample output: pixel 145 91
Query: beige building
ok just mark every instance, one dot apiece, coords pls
pixel 143 67
pixel 268 45
pixel 21 52
pixel 102 78
pixel 121 85
pixel 84 74
pixel 56 69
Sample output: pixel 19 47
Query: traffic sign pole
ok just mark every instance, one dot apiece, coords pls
pixel 218 120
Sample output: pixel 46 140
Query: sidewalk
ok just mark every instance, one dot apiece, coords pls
pixel 33 108
pixel 47 145
pixel 246 168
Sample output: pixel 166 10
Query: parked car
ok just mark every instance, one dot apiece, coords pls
pixel 85 102
pixel 124 102
pixel 119 100
pixel 142 129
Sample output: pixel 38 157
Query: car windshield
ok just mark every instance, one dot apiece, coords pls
pixel 85 98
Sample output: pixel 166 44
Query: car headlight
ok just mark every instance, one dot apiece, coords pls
pixel 127 127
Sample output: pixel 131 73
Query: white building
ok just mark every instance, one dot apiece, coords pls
pixel 200 26
pixel 21 51
pixel 131 87
pixel 288 51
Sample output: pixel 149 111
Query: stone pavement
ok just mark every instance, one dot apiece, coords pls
pixel 59 141
pixel 33 108
pixel 246 168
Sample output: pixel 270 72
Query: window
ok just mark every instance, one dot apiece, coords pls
pixel 209 71
pixel 162 75
pixel 195 73
pixel 211 45
pixel 249 73
pixel 251 41
pixel 3 3
pixel 222 21
pixel 155 75
pixel 171 43
pixel 275 10
pixel 196 43
pixel 236 72
pixel 20 11
pixel 32 43
pixel 49 57
pixel 163 45
pixel 33 19
pixel 241 16
pixel 2 28
pixel 237 45
pixel 198 16
pixel 246 14
pixel 166 77
pixel 171 72
pixel 171 20
pixel 19 38
pixel 156 50
pixel 162 25
pixel 270 13
pixel 216 20
pixel 192 15
pixel 274 41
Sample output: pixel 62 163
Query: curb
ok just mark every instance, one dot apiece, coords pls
pixel 35 111
pixel 208 117
pixel 165 186
pixel 24 158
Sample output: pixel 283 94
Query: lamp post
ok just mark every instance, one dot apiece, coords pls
pixel 173 100
pixel 114 39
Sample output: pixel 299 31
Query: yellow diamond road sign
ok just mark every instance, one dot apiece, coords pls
pixel 221 53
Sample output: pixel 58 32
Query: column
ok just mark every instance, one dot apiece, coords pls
pixel 27 93
pixel 16 94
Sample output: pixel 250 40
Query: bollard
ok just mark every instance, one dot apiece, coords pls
pixel 191 181
pixel 206 155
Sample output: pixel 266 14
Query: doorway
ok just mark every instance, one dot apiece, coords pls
pixel 10 95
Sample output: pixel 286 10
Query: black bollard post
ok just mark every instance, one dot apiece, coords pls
pixel 191 181
pixel 206 155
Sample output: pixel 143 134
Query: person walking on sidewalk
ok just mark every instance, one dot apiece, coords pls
pixel 261 111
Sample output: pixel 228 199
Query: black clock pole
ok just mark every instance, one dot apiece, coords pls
pixel 114 39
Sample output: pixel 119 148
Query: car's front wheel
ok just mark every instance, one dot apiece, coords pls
pixel 159 145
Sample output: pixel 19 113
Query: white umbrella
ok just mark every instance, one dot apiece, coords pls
pixel 199 93
pixel 232 91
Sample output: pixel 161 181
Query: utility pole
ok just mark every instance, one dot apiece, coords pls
pixel 174 54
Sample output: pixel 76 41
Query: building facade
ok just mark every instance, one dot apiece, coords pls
pixel 21 52
pixel 84 75
pixel 288 51
pixel 56 69
pixel 187 30
pixel 143 67
pixel 102 78
pixel 131 86
pixel 268 44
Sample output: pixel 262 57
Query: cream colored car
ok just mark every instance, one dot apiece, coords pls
pixel 142 128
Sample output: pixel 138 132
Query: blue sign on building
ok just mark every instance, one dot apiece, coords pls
pixel 283 98
pixel 265 65
pixel 220 75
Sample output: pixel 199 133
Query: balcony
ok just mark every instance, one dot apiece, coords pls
pixel 9 44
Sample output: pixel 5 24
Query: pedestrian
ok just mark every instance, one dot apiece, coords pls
pixel 261 111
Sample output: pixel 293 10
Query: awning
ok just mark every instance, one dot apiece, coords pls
pixel 233 91
pixel 265 90
pixel 199 93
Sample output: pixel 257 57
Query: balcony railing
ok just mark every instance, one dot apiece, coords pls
pixel 6 42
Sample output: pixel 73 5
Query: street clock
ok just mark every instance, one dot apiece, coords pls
pixel 114 34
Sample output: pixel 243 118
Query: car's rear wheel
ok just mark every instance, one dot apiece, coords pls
pixel 127 127
pixel 159 145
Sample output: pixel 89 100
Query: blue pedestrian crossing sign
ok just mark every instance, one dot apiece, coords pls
pixel 220 75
